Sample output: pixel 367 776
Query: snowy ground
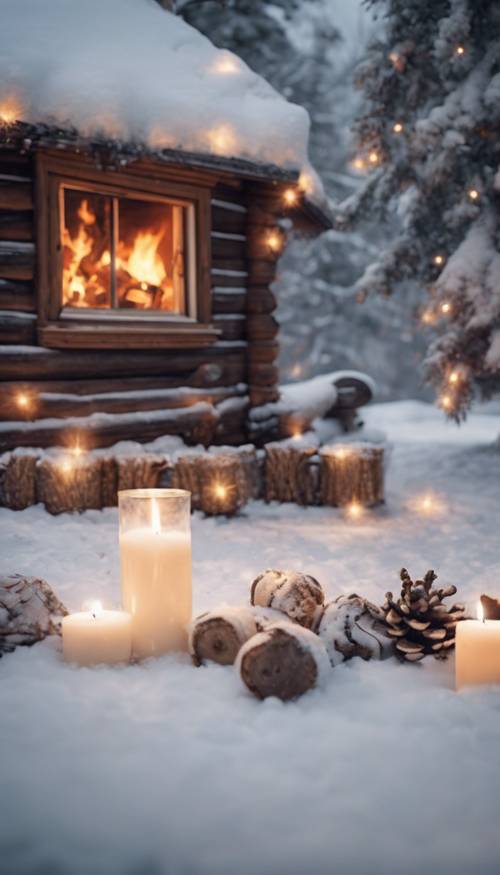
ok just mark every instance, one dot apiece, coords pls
pixel 165 769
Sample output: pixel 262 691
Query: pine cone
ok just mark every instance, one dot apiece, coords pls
pixel 418 621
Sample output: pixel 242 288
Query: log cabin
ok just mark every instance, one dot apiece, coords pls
pixel 139 239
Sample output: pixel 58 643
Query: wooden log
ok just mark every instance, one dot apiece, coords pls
pixel 69 484
pixel 17 327
pixel 289 475
pixel 47 404
pixel 109 481
pixel 299 596
pixel 39 363
pixel 260 299
pixel 196 425
pixel 17 260
pixel 16 225
pixel 226 219
pixel 16 195
pixel 285 660
pixel 232 279
pixel 18 480
pixel 224 485
pixel 261 326
pixel 140 472
pixel 230 245
pixel 29 611
pixel 230 325
pixel 186 476
pixel 15 295
pixel 228 301
pixel 352 473
pixel 217 636
pixel 347 629
pixel 262 374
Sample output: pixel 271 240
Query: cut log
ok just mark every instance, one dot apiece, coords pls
pixel 352 472
pixel 69 484
pixel 284 660
pixel 347 629
pixel 295 594
pixel 18 480
pixel 220 484
pixel 17 327
pixel 140 472
pixel 29 611
pixel 16 295
pixel 16 196
pixel 17 261
pixel 217 636
pixel 289 474
pixel 16 225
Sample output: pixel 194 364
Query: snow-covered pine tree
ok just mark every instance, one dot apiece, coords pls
pixel 429 140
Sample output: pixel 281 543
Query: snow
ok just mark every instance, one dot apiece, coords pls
pixel 128 69
pixel 164 768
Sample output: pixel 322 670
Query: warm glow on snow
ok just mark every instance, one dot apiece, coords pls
pixel 225 64
pixel 222 140
pixel 10 110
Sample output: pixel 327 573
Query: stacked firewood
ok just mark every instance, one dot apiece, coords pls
pixel 285 640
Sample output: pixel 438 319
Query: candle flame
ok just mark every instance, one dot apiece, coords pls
pixel 96 608
pixel 480 611
pixel 155 517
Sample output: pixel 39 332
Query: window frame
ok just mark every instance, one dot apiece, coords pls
pixel 64 327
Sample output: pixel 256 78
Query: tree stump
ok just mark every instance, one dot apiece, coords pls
pixel 109 481
pixel 29 610
pixel 297 595
pixel 289 474
pixel 347 629
pixel 285 660
pixel 219 484
pixel 68 484
pixel 140 472
pixel 352 472
pixel 18 480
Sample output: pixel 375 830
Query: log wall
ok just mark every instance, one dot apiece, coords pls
pixel 56 384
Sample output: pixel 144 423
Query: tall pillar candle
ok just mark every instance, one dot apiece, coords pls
pixel 477 652
pixel 155 560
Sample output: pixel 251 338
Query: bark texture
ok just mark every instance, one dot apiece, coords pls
pixel 29 611
pixel 17 481
pixel 297 595
pixel 352 473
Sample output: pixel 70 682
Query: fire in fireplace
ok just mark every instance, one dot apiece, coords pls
pixel 123 252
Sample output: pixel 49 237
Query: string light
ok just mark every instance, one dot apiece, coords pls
pixel 460 50
pixel 473 194
pixel 359 164
pixel 77 450
pixel 341 453
pixel 428 317
pixel 397 128
pixel 222 139
pixel 225 64
pixel 10 110
pixel 220 491
pixel 290 197
pixel 66 466
pixel 296 434
pixel 454 378
pixel 438 259
pixel 354 509
pixel 23 401
pixel 446 402
pixel 373 157
pixel 306 182
pixel 274 241
pixel 445 307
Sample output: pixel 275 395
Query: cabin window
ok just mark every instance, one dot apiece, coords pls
pixel 130 255
pixel 124 258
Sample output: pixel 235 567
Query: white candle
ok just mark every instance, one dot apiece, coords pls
pixel 97 636
pixel 155 560
pixel 477 652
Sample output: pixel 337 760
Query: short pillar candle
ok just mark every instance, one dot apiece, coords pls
pixel 155 560
pixel 97 637
pixel 477 652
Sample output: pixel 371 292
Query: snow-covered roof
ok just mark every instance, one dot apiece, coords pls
pixel 129 70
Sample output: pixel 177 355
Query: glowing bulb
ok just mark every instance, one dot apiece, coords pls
pixel 454 377
pixel 394 57
pixel 225 64
pixel 427 317
pixel 341 454
pixel 480 611
pixel 23 401
pixel 274 241
pixel 459 50
pixel 306 182
pixel 373 157
pixel 446 402
pixel 10 110
pixel 290 197
pixel 438 259
pixel 358 164
pixel 445 307
pixel 296 434
pixel 66 466
pixel 155 517
pixel 220 490
pixel 222 139
pixel 397 128
pixel 473 194
pixel 426 503
pixel 354 509
pixel 296 370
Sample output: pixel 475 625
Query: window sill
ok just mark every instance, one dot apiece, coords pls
pixel 121 335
